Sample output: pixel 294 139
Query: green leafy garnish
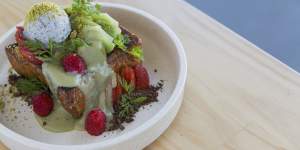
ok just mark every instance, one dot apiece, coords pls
pixel 30 85
pixel 128 87
pixel 72 45
pixel 108 24
pixel 52 46
pixel 139 100
pixel 85 14
pixel 126 108
pixel 82 12
pixel 121 41
pixel 39 50
pixel 34 45
pixel 83 7
pixel 128 104
pixel 98 7
pixel 137 52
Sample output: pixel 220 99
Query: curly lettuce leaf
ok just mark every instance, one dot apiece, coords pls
pixel 121 41
pixel 137 52
pixel 109 25
pixel 84 14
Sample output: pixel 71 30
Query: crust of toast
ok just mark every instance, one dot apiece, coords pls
pixel 72 99
pixel 118 58
pixel 21 65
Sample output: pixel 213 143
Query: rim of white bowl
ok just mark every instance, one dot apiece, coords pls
pixel 175 94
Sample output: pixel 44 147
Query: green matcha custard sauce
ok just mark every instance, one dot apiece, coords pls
pixel 95 84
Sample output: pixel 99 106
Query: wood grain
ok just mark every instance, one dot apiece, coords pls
pixel 237 97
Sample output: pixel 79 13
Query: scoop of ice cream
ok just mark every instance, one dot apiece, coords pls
pixel 47 21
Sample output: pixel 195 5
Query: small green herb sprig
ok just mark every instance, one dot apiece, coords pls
pixel 82 12
pixel 121 41
pixel 29 86
pixel 128 87
pixel 46 54
pixel 128 105
pixel 83 8
pixel 39 50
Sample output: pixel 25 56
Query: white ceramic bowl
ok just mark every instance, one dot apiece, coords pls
pixel 163 51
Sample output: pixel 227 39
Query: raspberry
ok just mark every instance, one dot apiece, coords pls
pixel 74 63
pixel 128 74
pixel 42 104
pixel 95 122
pixel 141 77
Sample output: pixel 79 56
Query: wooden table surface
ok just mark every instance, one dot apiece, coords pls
pixel 236 97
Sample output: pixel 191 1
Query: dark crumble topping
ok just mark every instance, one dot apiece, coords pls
pixel 13 78
pixel 150 93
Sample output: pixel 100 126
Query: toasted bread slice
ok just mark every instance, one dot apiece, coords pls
pixel 72 99
pixel 118 58
pixel 21 65
pixel 134 39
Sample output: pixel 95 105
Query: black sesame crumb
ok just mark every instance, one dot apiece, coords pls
pixel 44 123
pixel 122 127
pixel 151 93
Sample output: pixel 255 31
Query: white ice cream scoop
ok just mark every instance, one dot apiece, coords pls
pixel 47 21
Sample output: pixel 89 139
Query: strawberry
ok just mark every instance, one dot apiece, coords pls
pixel 128 74
pixel 74 63
pixel 141 77
pixel 42 104
pixel 116 94
pixel 23 50
pixel 95 122
pixel 19 36
pixel 30 56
